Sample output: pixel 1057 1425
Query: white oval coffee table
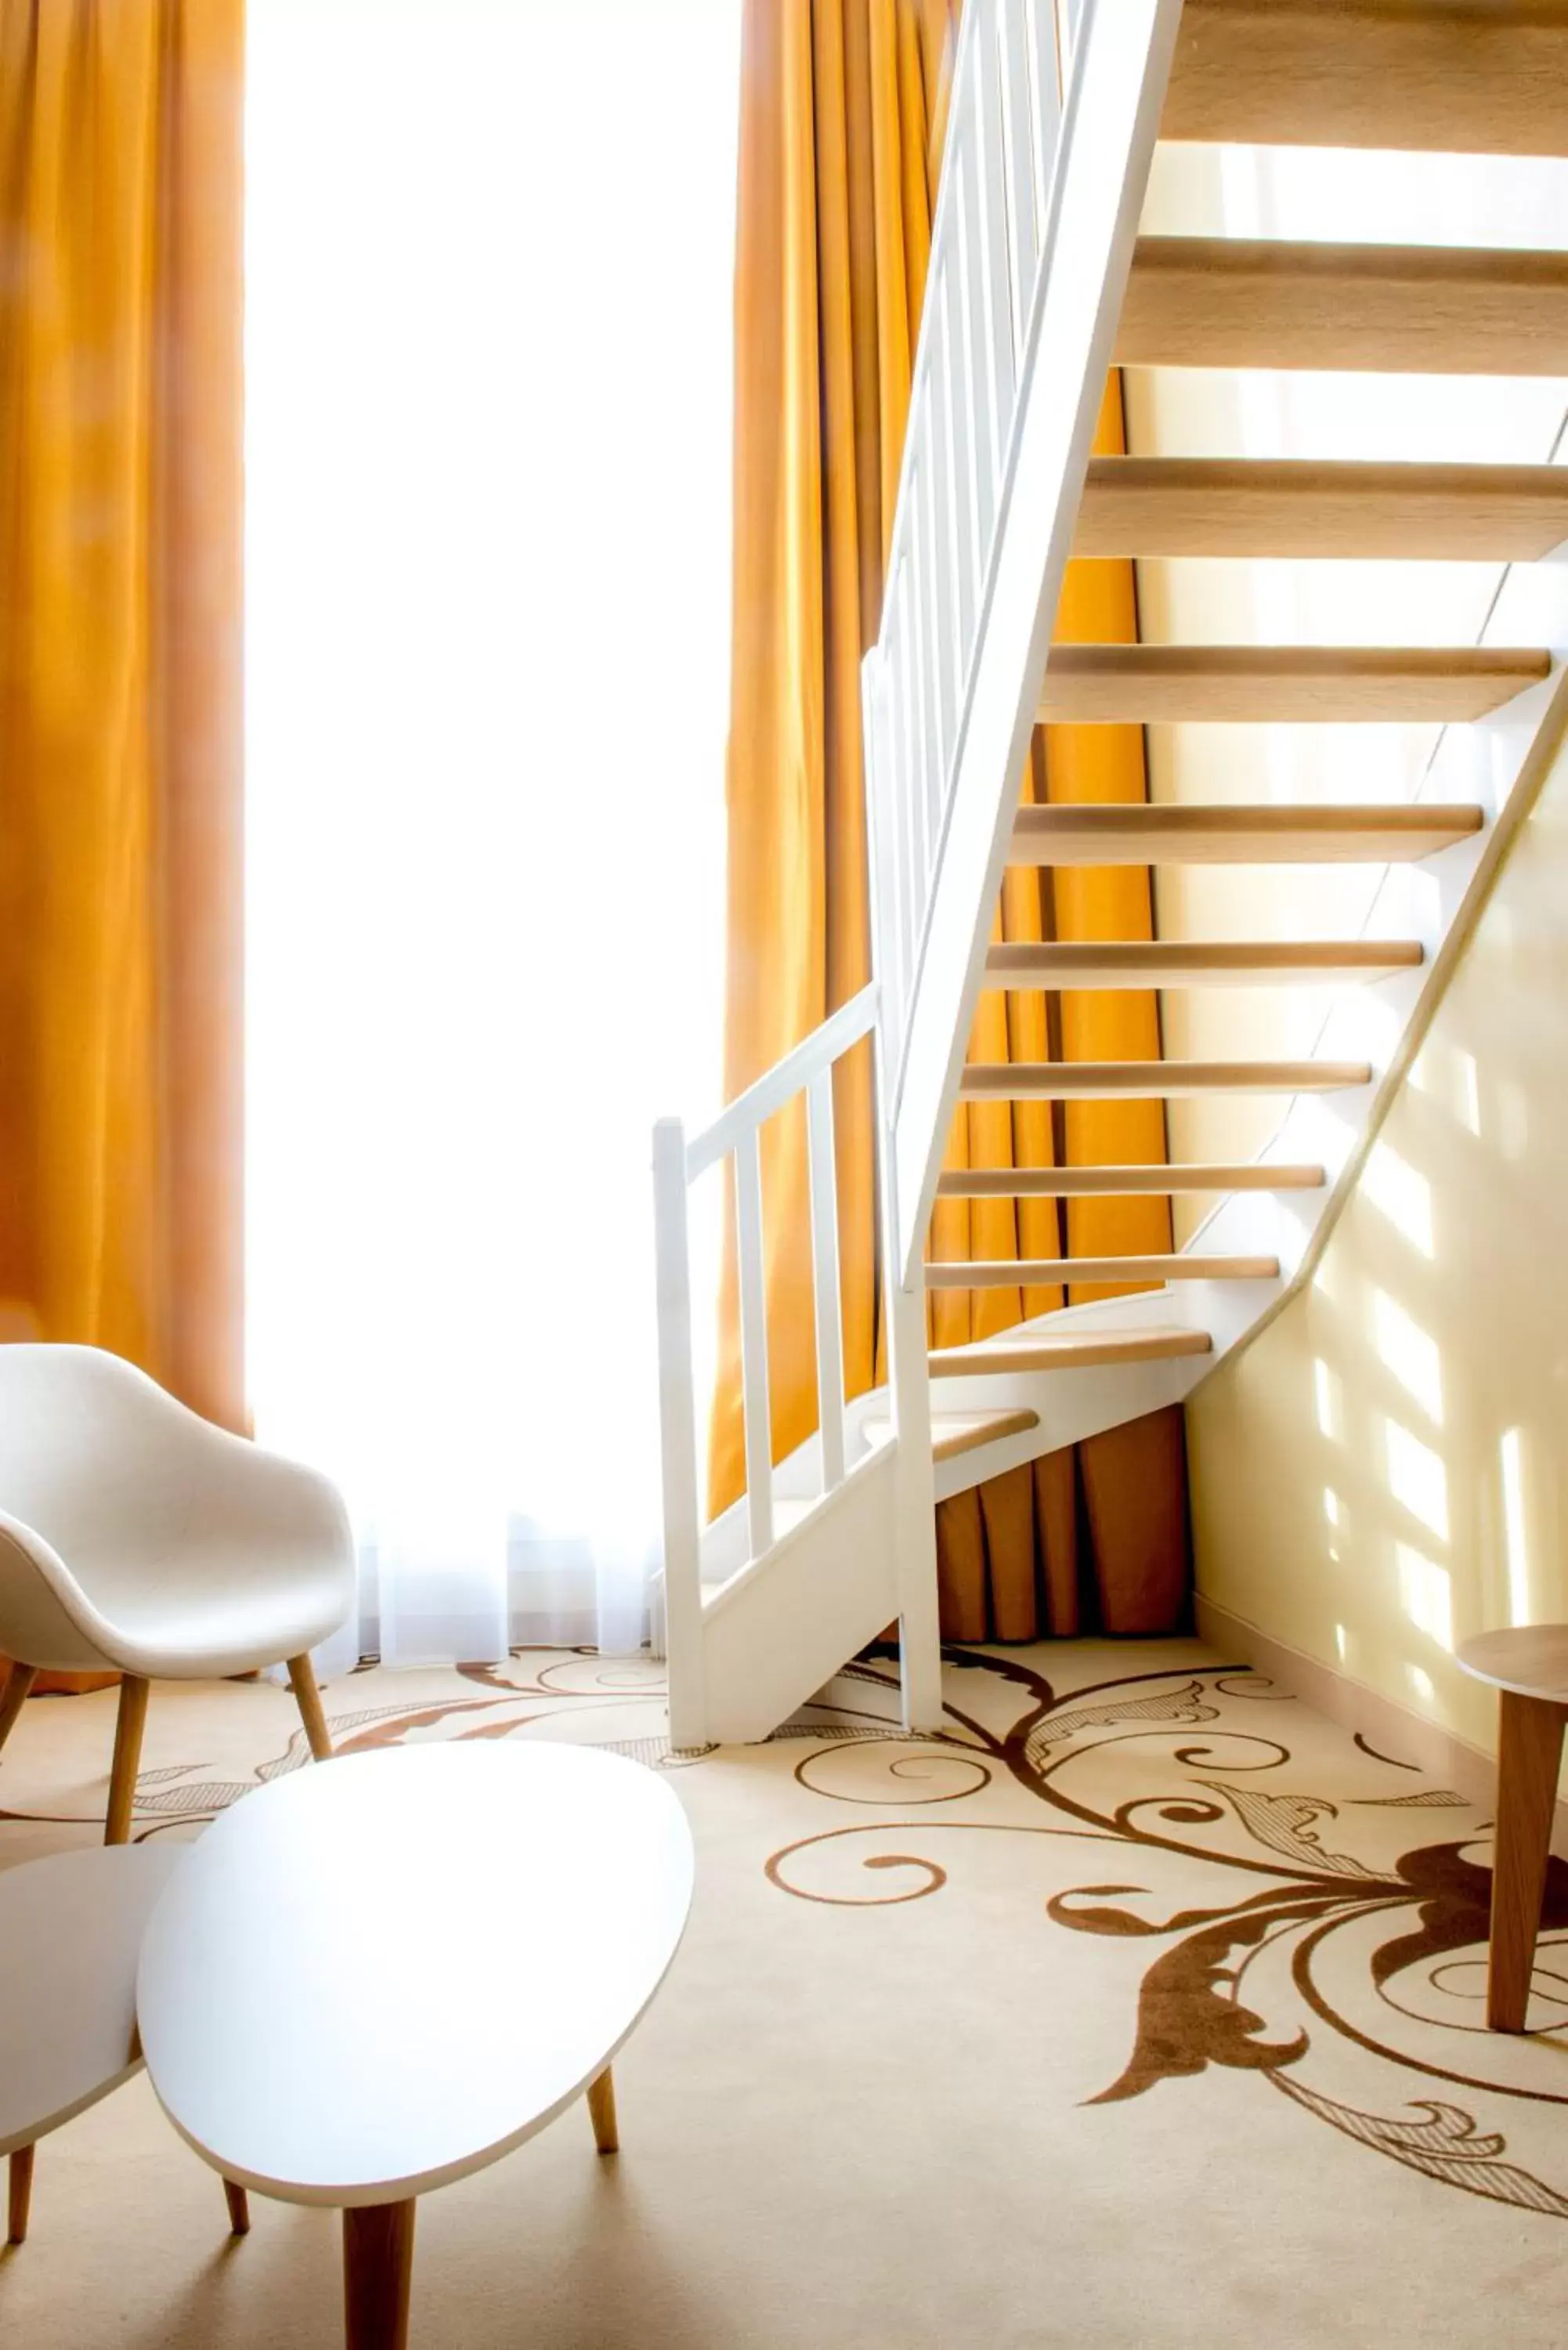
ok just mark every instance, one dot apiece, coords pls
pixel 371 1979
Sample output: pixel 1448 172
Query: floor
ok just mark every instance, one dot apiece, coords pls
pixel 1143 2007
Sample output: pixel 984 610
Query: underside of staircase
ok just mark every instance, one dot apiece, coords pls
pixel 831 1544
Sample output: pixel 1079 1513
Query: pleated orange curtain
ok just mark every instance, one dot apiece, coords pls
pixel 842 104
pixel 120 971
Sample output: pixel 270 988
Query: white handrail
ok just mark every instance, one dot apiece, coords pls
pixel 786 1078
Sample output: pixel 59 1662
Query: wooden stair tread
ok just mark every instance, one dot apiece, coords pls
pixel 1146 1080
pixel 1045 1273
pixel 1080 1182
pixel 954 1433
pixel 1076 1351
pixel 1246 302
pixel 1461 77
pixel 1299 508
pixel 1251 833
pixel 1283 684
pixel 1195 962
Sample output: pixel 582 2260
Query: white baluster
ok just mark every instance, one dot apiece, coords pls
pixel 1018 114
pixel 1055 33
pixel 961 408
pixel 678 1440
pixel 825 1278
pixel 754 1343
pixel 980 343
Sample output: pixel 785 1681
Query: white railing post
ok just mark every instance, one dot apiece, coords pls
pixel 914 1477
pixel 678 1440
pixel 909 1368
pixel 824 1276
pixel 756 1409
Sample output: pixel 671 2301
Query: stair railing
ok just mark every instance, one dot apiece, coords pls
pixel 736 1136
pixel 1054 113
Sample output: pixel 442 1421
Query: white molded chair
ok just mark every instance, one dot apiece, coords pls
pixel 138 1538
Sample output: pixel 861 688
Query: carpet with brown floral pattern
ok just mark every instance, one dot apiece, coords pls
pixel 1141 2006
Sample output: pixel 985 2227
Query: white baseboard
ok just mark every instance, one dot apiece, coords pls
pixel 1393 1730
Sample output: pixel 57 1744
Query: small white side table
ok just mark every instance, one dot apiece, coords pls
pixel 373 1978
pixel 70 1929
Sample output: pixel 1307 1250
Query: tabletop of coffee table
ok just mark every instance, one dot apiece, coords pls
pixel 383 1971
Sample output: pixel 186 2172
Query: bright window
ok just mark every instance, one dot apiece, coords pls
pixel 490 252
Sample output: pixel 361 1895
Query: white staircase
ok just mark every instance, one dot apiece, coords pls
pixel 1039 283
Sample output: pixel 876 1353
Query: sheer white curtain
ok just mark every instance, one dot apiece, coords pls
pixel 490 251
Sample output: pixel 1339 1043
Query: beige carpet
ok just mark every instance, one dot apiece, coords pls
pixel 1142 2008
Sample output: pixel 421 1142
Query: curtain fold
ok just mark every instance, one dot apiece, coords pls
pixel 120 685
pixel 120 966
pixel 844 104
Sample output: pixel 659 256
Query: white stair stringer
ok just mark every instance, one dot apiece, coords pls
pixel 774 1631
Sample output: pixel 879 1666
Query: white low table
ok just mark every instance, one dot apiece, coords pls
pixel 372 1978
pixel 70 1928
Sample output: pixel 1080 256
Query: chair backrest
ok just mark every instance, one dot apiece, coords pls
pixel 90 1451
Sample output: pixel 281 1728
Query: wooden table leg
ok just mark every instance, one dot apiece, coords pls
pixel 1529 1754
pixel 239 2204
pixel 20 2195
pixel 377 2269
pixel 601 2112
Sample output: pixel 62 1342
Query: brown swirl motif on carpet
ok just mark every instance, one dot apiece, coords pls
pixel 1207 1999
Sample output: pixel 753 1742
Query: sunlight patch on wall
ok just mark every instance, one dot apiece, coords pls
pixel 1325 1387
pixel 1426 1593
pixel 1417 1479
pixel 1401 1194
pixel 1513 1119
pixel 1414 1359
pixel 1451 1078
pixel 1513 1534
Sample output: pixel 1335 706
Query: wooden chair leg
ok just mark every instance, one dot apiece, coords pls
pixel 601 2112
pixel 308 1697
pixel 378 2271
pixel 1530 1754
pixel 20 2195
pixel 239 2204
pixel 13 1696
pixel 129 1722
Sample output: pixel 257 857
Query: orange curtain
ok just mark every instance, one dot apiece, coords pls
pixel 843 105
pixel 120 1083
pixel 119 683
